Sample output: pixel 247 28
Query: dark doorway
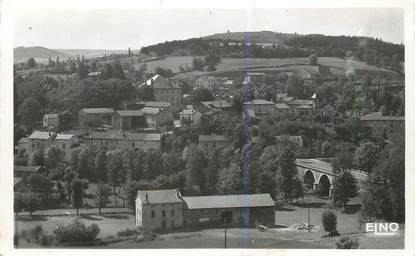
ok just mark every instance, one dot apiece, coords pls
pixel 227 217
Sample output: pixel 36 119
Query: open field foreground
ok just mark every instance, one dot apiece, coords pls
pixel 110 224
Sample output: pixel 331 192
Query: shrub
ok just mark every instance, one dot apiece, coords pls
pixel 37 235
pixel 347 243
pixel 76 231
pixel 127 232
pixel 330 222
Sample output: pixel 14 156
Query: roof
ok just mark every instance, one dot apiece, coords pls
pixel 63 136
pixel 98 110
pixel 329 107
pixel 160 82
pixel 28 169
pixel 228 201
pixel 256 74
pixel 259 102
pixel 281 106
pixel 212 137
pixel 160 196
pixel 51 115
pixel 228 82
pixel 130 112
pixel 301 102
pixel 217 104
pixel 150 111
pixel 119 135
pixel 39 135
pixel 374 117
pixel 304 106
pixel 157 104
pixel 187 112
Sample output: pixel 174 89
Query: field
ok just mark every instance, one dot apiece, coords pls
pixel 172 63
pixel 297 65
pixel 348 224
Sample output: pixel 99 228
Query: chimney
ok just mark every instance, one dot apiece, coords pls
pixel 178 193
pixel 151 81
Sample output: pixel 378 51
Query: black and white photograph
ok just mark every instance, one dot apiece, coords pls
pixel 196 128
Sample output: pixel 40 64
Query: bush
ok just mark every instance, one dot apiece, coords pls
pixel 127 232
pixel 330 222
pixel 347 243
pixel 76 231
pixel 37 235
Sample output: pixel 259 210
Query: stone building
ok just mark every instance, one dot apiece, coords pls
pixel 94 117
pixel 159 209
pixel 383 125
pixel 51 120
pixel 117 139
pixel 165 89
pixel 163 210
pixel 40 140
pixel 212 142
pixel 260 107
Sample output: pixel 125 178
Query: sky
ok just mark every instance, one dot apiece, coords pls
pixel 120 29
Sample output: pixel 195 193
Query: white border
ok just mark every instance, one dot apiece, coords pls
pixel 6 117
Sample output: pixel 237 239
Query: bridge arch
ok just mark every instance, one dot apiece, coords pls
pixel 325 185
pixel 309 178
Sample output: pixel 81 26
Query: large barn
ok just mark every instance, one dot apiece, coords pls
pixel 167 209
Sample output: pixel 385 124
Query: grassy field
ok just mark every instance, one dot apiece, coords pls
pixel 172 63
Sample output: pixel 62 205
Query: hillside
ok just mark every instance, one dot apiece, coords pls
pixel 41 54
pixel 37 52
pixel 257 37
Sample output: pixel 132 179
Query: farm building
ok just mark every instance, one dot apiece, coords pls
pixel 212 142
pixel 162 210
pixel 260 107
pixel 165 89
pixel 117 139
pixel 383 125
pixel 51 120
pixel 128 119
pixel 93 117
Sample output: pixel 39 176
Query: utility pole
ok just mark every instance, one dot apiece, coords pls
pixel 308 217
pixel 225 235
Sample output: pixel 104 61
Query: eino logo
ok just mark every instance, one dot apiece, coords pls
pixel 382 229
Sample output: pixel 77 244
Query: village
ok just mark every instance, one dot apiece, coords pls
pixel 144 147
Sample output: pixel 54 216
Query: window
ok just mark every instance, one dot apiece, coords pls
pixel 153 214
pixel 172 223
pixel 63 146
pixel 172 212
pixel 163 213
pixel 133 144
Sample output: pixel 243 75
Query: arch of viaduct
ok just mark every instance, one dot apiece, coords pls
pixel 316 174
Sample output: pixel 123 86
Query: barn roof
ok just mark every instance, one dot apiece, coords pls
pixel 228 201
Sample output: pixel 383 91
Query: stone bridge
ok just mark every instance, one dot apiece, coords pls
pixel 318 174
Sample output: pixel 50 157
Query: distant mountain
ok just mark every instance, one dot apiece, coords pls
pixel 256 36
pixel 42 54
pixel 36 52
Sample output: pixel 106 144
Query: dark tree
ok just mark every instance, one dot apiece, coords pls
pixel 77 194
pixel 329 220
pixel 31 63
pixel 344 188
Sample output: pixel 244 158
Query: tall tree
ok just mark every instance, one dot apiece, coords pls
pixel 195 168
pixel 344 188
pixel 101 165
pixel 86 164
pixel 116 170
pixel 77 195
pixel 230 180
pixel 53 157
pixel 366 156
pixel 30 111
pixel 102 196
pixel 288 173
pixel 31 63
